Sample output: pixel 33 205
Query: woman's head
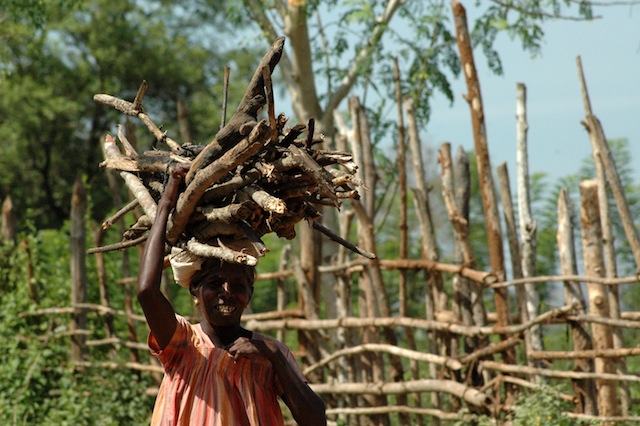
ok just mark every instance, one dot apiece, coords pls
pixel 217 266
pixel 222 291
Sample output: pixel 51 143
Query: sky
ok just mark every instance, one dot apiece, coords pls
pixel 557 142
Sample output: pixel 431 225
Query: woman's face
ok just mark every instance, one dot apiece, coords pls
pixel 224 294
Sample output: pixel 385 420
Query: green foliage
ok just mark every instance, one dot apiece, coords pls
pixel 51 127
pixel 544 407
pixel 38 384
pixel 541 407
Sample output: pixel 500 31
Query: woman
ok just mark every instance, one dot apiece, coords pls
pixel 216 372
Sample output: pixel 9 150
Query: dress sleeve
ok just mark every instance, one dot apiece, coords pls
pixel 183 338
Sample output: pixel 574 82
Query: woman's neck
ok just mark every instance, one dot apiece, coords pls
pixel 224 336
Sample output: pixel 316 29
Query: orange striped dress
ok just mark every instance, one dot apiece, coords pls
pixel 203 385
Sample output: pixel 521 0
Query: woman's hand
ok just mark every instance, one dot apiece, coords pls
pixel 177 174
pixel 243 346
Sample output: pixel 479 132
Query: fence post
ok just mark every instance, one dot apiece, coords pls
pixel 598 299
pixel 78 268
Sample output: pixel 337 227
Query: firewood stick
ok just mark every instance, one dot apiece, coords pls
pixel 142 90
pixel 339 176
pixel 221 252
pixel 118 246
pixel 265 200
pixel 129 109
pixel 338 239
pixel 208 231
pixel 141 193
pixel 293 133
pixel 212 173
pixel 225 96
pixel 107 223
pixel 134 184
pixel 251 235
pixel 350 195
pixel 227 214
pixel 309 165
pixel 311 126
pixel 142 225
pixel 271 112
pixel 254 97
pixel 128 148
pixel 220 190
pixel 121 163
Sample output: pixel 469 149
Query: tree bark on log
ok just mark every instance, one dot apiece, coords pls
pixel 586 398
pixel 528 226
pixel 598 143
pixel 598 300
pixel 489 201
pixel 459 390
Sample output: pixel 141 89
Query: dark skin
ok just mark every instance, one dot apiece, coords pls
pixel 222 297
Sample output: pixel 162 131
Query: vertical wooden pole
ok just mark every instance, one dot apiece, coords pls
pixel 403 252
pixel 78 267
pixel 487 191
pixel 598 298
pixel 435 297
pixel 584 388
pixel 600 152
pixel 528 226
pixel 8 221
pixel 183 121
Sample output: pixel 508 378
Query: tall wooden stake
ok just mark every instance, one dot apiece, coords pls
pixel 598 299
pixel 78 267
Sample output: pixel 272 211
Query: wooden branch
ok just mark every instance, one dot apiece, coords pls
pixel 228 214
pixel 99 309
pixel 283 313
pixel 431 412
pixel 486 278
pixel 108 223
pixel 120 365
pixel 521 369
pixel 544 278
pixel 467 394
pixel 385 348
pixel 129 108
pixel 266 201
pixel 221 252
pixel 354 248
pixel 225 96
pixel 118 246
pixel 386 322
pixel 129 150
pixel 254 97
pixel 606 321
pixel 604 419
pixel 491 349
pixel 116 341
pixel 213 173
pixel 586 354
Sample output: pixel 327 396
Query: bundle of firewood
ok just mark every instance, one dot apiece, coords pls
pixel 255 177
